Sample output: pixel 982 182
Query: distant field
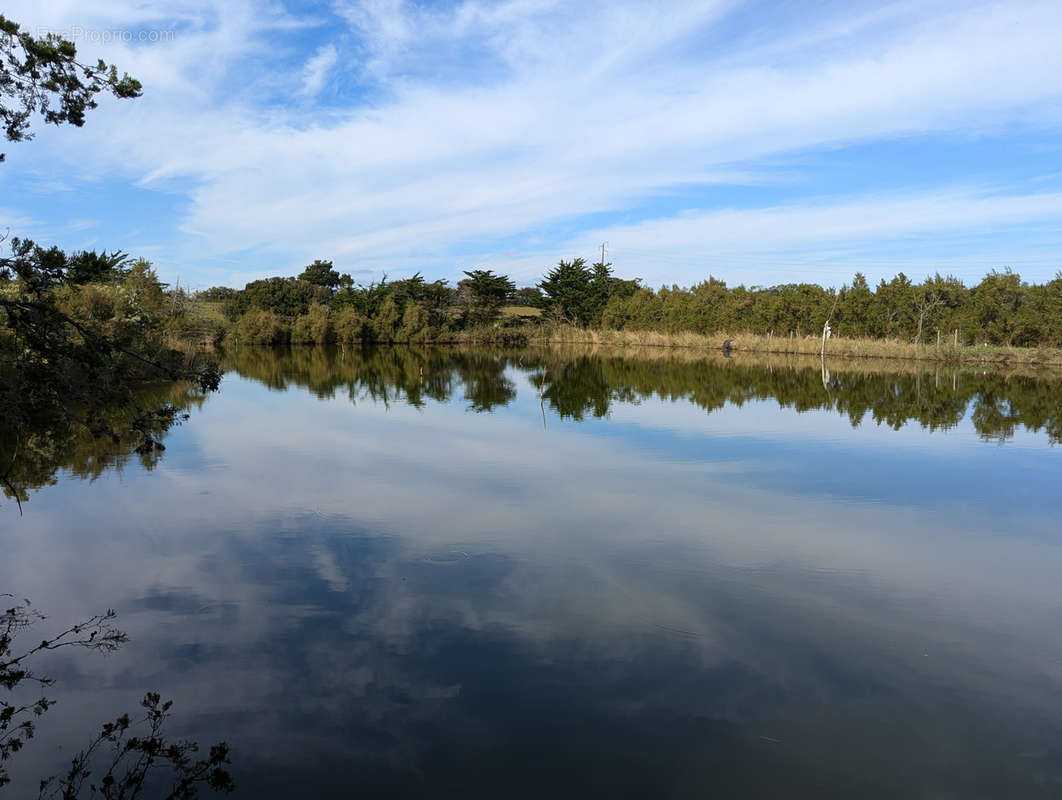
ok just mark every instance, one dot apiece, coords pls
pixel 210 310
pixel 521 311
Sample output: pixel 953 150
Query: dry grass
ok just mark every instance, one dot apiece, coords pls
pixel 835 347
pixel 520 311
pixel 782 361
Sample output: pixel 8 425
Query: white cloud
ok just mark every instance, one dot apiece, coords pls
pixel 317 69
pixel 486 121
pixel 817 235
pixel 15 223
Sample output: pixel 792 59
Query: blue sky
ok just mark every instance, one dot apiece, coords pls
pixel 762 142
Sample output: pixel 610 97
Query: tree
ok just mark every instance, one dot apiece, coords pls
pixel 43 76
pixel 603 287
pixel 568 293
pixel 528 296
pixel 388 318
pixel 415 323
pixel 349 325
pixel 854 310
pixel 288 297
pixel 1039 320
pixel 933 299
pixel 321 273
pixel 313 327
pixel 896 306
pixel 366 300
pixel 995 303
pixel 487 294
pixel 89 266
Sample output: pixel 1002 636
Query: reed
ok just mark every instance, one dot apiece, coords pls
pixel 836 347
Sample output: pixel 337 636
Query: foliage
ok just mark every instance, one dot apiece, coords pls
pixel 385 324
pixel 528 296
pixel 72 353
pixel 415 324
pixel 320 273
pixel 567 293
pixel 366 300
pixel 485 293
pixel 1002 309
pixel 349 326
pixel 260 327
pixel 217 294
pixel 89 266
pixel 286 297
pixel 313 327
pixel 41 75
pixel 133 761
pixel 579 294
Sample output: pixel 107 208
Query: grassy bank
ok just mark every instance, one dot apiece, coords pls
pixel 836 347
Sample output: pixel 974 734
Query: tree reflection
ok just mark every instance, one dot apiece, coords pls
pixel 578 384
pixel 34 458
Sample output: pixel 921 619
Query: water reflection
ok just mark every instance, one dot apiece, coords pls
pixel 577 383
pixel 367 584
pixel 35 459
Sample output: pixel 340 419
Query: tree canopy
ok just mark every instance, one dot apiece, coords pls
pixel 577 293
pixel 487 293
pixel 320 273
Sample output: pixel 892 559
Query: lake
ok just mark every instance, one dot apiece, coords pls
pixel 533 573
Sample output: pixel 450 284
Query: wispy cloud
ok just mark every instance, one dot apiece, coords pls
pixel 317 70
pixel 457 132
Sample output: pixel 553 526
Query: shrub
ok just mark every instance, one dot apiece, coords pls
pixel 260 327
pixel 313 327
pixel 385 323
pixel 349 326
pixel 415 324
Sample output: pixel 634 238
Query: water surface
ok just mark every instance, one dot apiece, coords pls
pixel 507 574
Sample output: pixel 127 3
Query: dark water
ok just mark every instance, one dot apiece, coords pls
pixel 446 573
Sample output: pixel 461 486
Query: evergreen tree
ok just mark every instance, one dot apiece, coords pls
pixel 568 292
pixel 321 273
pixel 487 293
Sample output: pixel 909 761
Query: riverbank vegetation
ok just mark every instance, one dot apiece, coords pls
pixel 81 333
pixel 81 337
pixel 1001 318
pixel 944 350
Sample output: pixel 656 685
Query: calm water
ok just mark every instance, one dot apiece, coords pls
pixel 444 573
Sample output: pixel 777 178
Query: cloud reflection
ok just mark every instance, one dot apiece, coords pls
pixel 412 597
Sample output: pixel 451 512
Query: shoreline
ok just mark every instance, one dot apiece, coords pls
pixel 836 347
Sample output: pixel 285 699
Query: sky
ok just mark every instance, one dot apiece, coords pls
pixel 759 142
